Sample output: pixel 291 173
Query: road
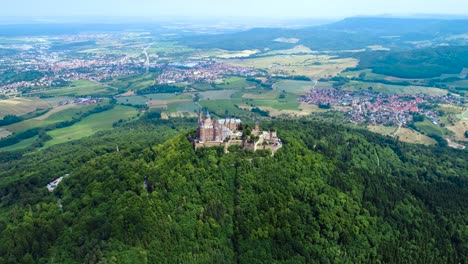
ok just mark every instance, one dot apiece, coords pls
pixel 147 62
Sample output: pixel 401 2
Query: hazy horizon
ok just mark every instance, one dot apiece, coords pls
pixel 293 9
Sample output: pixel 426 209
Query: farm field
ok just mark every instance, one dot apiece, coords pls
pixel 79 88
pixel 167 48
pixel 132 83
pixel 222 107
pixel 217 95
pixel 4 133
pixel 21 106
pixel 233 83
pixel 187 107
pixel 460 126
pixel 52 118
pixel 427 127
pixel 268 99
pixel 300 49
pixel 147 99
pixel 403 134
pixel 20 145
pixel 314 66
pixel 462 83
pixel 366 74
pixel 91 124
pixel 387 88
pixel 296 87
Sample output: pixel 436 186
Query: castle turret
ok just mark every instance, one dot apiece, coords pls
pixel 200 118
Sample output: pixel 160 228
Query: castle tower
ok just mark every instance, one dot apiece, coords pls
pixel 200 118
pixel 257 125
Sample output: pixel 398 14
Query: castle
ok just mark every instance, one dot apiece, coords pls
pixel 213 130
pixel 227 132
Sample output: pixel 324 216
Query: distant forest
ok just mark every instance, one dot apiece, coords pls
pixel 417 63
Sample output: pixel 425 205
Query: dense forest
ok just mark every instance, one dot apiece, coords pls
pixel 332 194
pixel 417 63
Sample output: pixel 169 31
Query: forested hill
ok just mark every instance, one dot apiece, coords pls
pixel 401 26
pixel 330 195
pixel 418 63
pixel 349 34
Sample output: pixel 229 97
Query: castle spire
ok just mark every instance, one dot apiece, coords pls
pixel 200 118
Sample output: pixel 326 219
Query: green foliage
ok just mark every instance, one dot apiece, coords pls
pixel 10 119
pixel 160 88
pixel 418 63
pixel 330 195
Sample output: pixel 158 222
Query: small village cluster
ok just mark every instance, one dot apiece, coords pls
pixel 379 108
pixel 201 71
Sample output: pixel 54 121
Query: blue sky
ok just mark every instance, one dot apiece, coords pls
pixel 232 8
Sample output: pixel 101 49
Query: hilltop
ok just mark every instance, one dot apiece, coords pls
pixel 331 194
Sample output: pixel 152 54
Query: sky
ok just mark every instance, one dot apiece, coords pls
pixel 230 8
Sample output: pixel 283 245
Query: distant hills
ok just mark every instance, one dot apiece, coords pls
pixel 350 33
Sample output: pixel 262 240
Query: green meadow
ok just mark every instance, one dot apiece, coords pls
pixel 91 124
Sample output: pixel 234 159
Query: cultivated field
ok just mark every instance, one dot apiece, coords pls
pixel 20 145
pixel 397 89
pixel 460 126
pixel 52 118
pixel 163 104
pixel 187 107
pixel 91 124
pixel 233 83
pixel 56 110
pixel 314 66
pixel 133 83
pixel 427 127
pixel 222 107
pixel 21 106
pixel 4 133
pixel 149 98
pixel 217 95
pixel 78 88
pixel 296 50
pixel 296 87
pixel 403 134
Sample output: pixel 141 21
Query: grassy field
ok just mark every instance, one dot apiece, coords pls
pixel 91 124
pixel 397 89
pixel 188 107
pixel 403 134
pixel 296 87
pixel 462 83
pixel 147 99
pixel 217 95
pixel 79 88
pixel 63 115
pixel 202 86
pixel 314 66
pixel 21 106
pixel 296 50
pixel 256 98
pixel 223 54
pixel 133 83
pixel 4 133
pixel 233 83
pixel 20 145
pixel 168 48
pixel 222 107
pixel 427 127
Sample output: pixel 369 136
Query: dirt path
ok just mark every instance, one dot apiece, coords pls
pixel 56 110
